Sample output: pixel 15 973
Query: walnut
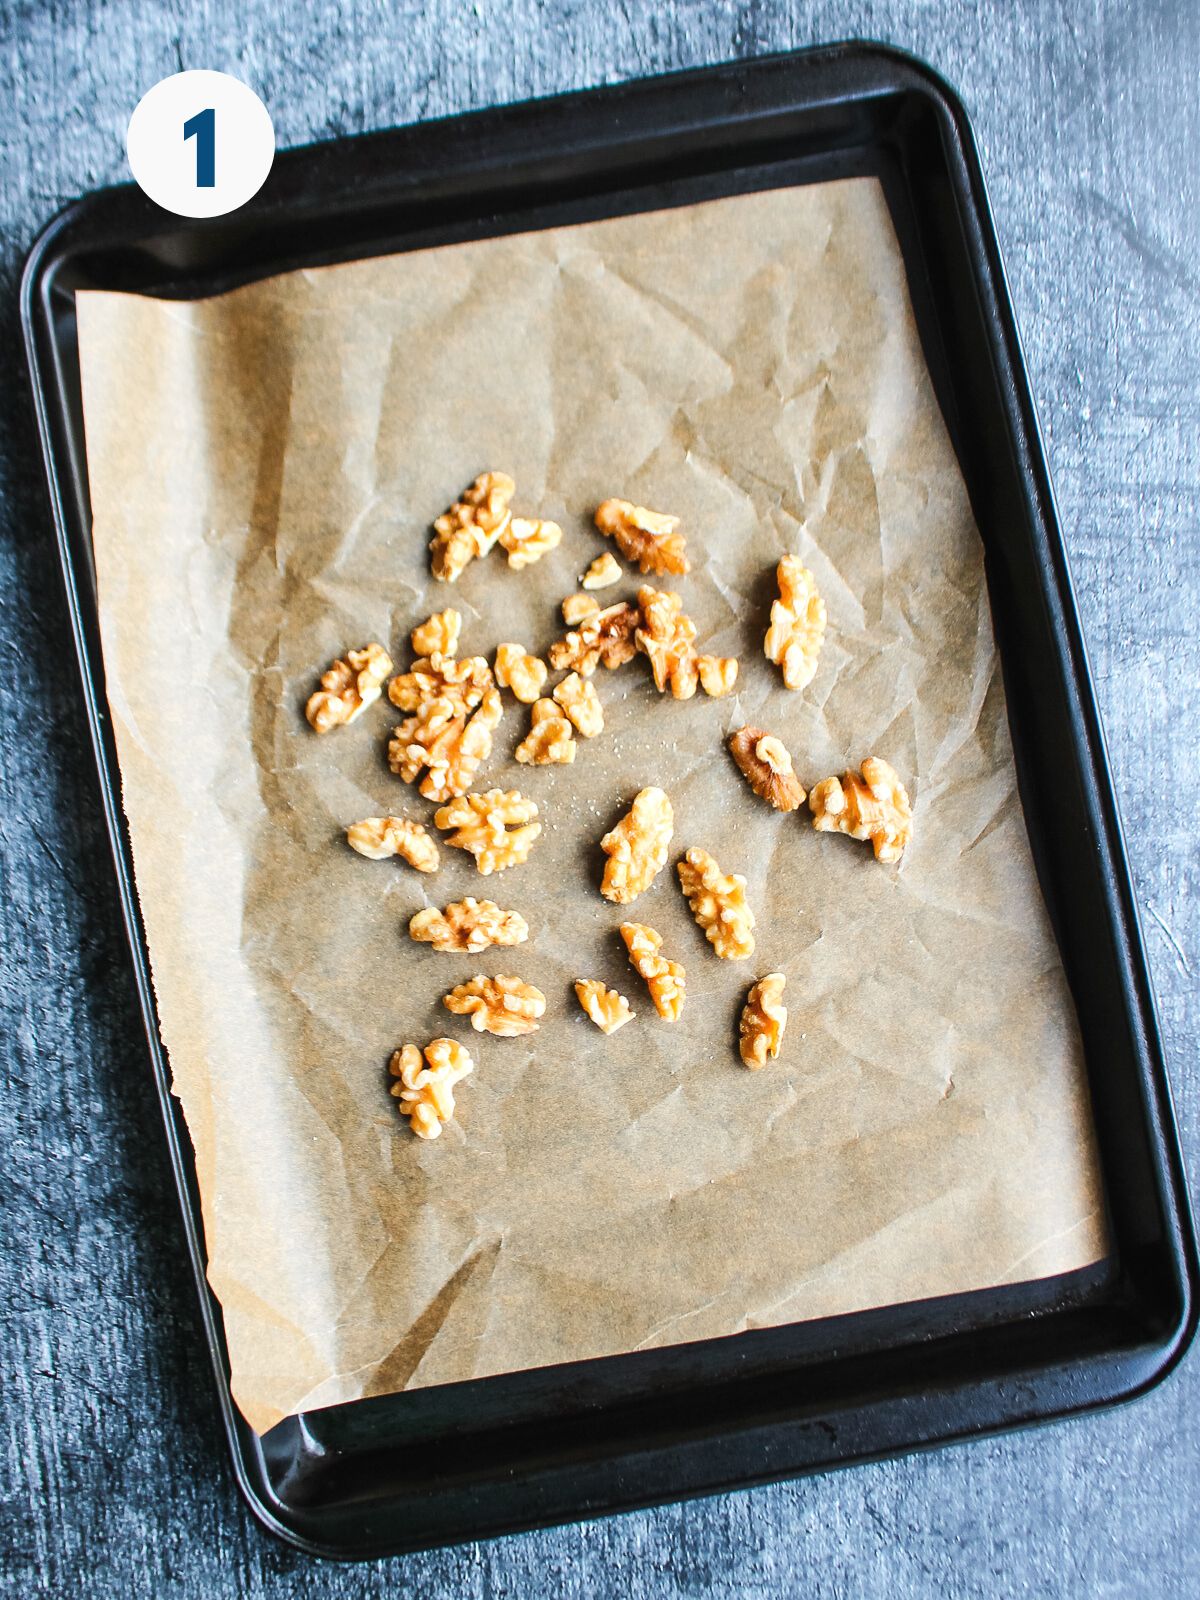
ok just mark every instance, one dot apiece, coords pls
pixel 793 640
pixel 665 636
pixel 425 1088
pixel 647 537
pixel 438 677
pixel 577 606
pixel 607 1009
pixel 549 741
pixel 874 806
pixel 664 979
pixel 767 767
pixel 442 739
pixel 637 847
pixel 438 635
pixel 718 674
pixel 472 525
pixel 603 572
pixel 522 673
pixel 348 687
pixel 579 700
pixel 380 837
pixel 469 924
pixel 718 904
pixel 764 1017
pixel 497 827
pixel 528 540
pixel 505 1006
pixel 604 637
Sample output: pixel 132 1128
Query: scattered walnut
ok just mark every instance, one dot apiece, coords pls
pixel 606 636
pixel 469 924
pixel 472 525
pixel 767 767
pixel 605 570
pixel 348 687
pixel 764 1017
pixel 665 636
pixel 664 979
pixel 718 674
pixel 874 806
pixel 528 540
pixel 647 537
pixel 637 847
pixel 549 741
pixel 501 1005
pixel 439 677
pixel 607 1009
pixel 522 673
pixel 718 904
pixel 438 635
pixel 497 827
pixel 380 837
pixel 577 606
pixel 443 739
pixel 579 700
pixel 425 1088
pixel 793 640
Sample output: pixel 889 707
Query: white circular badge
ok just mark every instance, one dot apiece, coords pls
pixel 200 143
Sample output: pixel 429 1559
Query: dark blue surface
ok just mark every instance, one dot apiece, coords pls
pixel 1088 117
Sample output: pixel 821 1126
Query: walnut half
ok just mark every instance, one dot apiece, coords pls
pixel 664 979
pixel 472 525
pixel 425 1088
pixel 793 641
pixel 437 635
pixel 767 767
pixel 647 537
pixel 764 1017
pixel 874 806
pixel 468 925
pixel 517 670
pixel 637 847
pixel 605 637
pixel 549 741
pixel 351 684
pixel 377 838
pixel 527 540
pixel 503 1005
pixel 665 636
pixel 607 1009
pixel 718 903
pixel 579 700
pixel 440 737
pixel 497 827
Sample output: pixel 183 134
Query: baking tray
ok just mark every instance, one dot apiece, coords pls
pixel 474 1459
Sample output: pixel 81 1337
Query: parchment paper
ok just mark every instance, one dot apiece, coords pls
pixel 264 468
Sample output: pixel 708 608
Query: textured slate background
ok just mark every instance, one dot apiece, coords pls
pixel 1088 116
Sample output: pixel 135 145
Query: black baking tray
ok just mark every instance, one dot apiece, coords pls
pixel 474 1459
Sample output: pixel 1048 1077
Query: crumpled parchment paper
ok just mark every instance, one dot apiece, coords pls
pixel 264 468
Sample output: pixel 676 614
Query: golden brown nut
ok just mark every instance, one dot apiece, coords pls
pixel 718 674
pixel 425 1089
pixel 577 606
pixel 579 700
pixel 647 537
pixel 607 1009
pixel 605 637
pixel 665 636
pixel 438 635
pixel 637 847
pixel 351 684
pixel 718 904
pixel 549 741
pixel 380 837
pixel 472 525
pixel 603 572
pixel 528 540
pixel 497 827
pixel 874 806
pixel 471 925
pixel 440 677
pixel 767 767
pixel 764 1017
pixel 502 1005
pixel 439 737
pixel 793 640
pixel 664 979
pixel 522 673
